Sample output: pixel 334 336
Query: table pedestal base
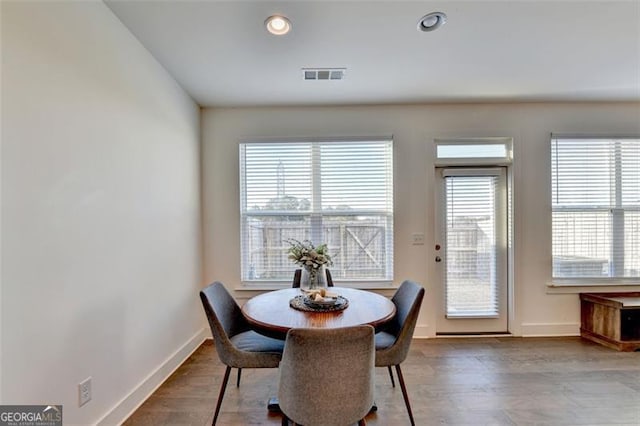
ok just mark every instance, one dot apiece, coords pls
pixel 274 406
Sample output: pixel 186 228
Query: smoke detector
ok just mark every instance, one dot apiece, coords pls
pixel 323 73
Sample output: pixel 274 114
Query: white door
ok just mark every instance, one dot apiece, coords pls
pixel 471 254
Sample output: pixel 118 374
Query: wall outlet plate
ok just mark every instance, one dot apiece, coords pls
pixel 84 391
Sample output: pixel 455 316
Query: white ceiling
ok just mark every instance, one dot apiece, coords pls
pixel 488 51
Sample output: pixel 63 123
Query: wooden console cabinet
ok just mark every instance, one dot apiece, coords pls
pixel 611 319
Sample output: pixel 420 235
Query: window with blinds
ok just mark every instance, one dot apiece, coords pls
pixel 334 192
pixel 475 241
pixel 595 187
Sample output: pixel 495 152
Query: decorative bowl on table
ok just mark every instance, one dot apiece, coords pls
pixel 320 302
pixel 320 297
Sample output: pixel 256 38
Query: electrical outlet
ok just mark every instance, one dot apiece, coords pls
pixel 84 391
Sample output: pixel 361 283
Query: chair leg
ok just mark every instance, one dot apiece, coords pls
pixel 239 373
pixel 223 387
pixel 393 382
pixel 285 420
pixel 362 422
pixel 404 394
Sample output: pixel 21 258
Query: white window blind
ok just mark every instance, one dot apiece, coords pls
pixel 595 186
pixel 475 209
pixel 334 192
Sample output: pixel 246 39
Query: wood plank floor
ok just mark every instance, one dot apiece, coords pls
pixel 461 381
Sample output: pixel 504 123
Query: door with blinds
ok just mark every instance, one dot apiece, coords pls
pixel 471 253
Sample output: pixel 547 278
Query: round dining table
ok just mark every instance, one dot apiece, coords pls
pixel 270 313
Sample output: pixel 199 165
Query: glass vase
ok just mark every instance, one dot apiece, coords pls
pixel 313 278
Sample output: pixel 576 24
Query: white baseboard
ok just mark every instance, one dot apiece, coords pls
pixel 125 407
pixel 550 329
pixel 527 330
pixel 422 332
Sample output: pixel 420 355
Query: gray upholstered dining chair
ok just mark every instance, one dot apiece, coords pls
pixel 392 344
pixel 297 275
pixel 237 346
pixel 327 376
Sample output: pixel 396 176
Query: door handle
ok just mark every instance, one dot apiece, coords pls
pixel 438 259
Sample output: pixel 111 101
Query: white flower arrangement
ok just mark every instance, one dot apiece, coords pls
pixel 307 255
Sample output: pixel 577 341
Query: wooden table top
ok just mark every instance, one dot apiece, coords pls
pixel 270 313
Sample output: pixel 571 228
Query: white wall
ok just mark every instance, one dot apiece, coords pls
pixel 101 246
pixel 1 221
pixel 537 310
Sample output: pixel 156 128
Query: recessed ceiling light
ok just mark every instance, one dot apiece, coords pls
pixel 432 21
pixel 278 24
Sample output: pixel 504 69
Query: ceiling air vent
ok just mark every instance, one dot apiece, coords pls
pixel 323 73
